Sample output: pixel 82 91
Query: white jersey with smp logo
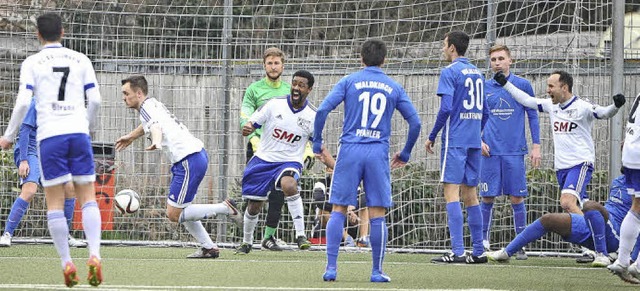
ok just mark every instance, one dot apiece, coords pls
pixel 175 136
pixel 631 149
pixel 285 130
pixel 571 125
pixel 59 78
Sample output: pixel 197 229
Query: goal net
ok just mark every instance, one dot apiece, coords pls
pixel 200 55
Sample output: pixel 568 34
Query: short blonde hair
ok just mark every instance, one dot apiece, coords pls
pixel 500 47
pixel 273 52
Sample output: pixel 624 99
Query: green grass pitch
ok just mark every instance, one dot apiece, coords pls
pixel 28 267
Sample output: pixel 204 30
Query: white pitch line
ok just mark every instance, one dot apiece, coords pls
pixel 495 265
pixel 105 287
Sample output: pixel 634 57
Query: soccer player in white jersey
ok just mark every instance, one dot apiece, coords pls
pixel 189 159
pixel 287 125
pixel 60 79
pixel 630 227
pixel 574 154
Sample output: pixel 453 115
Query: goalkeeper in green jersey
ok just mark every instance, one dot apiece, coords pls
pixel 257 94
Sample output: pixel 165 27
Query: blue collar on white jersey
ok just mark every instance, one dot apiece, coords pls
pixel 306 101
pixel 52 45
pixel 573 99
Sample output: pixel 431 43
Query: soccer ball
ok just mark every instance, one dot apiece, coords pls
pixel 127 201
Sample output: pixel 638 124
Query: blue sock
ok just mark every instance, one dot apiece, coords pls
pixel 335 227
pixel 69 205
pixel 531 233
pixel 455 223
pixel 378 238
pixel 519 217
pixel 474 219
pixel 487 214
pixel 596 223
pixel 18 210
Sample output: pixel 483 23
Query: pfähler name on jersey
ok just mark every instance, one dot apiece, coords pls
pixel 368 133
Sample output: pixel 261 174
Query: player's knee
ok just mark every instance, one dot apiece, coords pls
pixel 569 204
pixel 173 216
pixel 516 199
pixel 253 208
pixel 28 191
pixel 290 189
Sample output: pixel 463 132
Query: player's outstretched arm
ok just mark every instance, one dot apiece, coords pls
pixel 611 110
pixel 125 140
pixel 520 96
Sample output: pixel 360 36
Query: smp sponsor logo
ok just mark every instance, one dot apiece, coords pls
pixel 283 135
pixel 564 126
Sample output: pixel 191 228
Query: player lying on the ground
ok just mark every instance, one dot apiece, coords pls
pixel 574 228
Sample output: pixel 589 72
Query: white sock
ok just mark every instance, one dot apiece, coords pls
pixel 58 229
pixel 195 212
pixel 629 230
pixel 198 231
pixel 92 226
pixel 249 226
pixel 294 203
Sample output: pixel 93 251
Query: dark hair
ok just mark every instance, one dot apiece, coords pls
pixel 50 26
pixel 137 82
pixel 460 40
pixel 565 78
pixel 373 52
pixel 306 75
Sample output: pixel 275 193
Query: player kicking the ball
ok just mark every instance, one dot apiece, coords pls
pixel 189 159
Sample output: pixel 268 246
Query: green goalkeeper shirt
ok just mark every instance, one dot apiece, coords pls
pixel 257 94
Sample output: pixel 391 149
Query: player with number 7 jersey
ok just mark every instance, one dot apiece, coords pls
pixel 61 79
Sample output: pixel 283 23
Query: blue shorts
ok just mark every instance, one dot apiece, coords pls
pixel 580 231
pixel 187 175
pixel 574 180
pixel 368 163
pixel 64 158
pixel 632 181
pixel 34 169
pixel 581 234
pixel 261 177
pixel 460 166
pixel 503 175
